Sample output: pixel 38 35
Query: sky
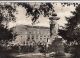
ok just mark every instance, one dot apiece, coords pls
pixel 61 11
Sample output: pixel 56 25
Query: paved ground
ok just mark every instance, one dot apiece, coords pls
pixel 32 55
pixel 36 55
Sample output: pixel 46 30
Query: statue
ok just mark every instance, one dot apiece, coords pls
pixel 56 42
pixel 53 23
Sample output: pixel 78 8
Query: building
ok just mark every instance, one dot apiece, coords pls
pixel 31 35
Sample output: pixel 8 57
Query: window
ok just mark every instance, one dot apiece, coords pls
pixel 21 36
pixel 44 36
pixel 36 35
pixel 41 38
pixel 30 32
pixel 47 39
pixel 32 37
pixel 28 39
pixel 48 35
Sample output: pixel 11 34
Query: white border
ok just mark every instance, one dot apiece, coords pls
pixel 42 1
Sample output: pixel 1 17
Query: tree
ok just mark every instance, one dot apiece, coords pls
pixel 42 9
pixel 72 32
pixel 6 15
pixel 7 12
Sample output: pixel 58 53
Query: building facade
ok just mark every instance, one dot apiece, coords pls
pixel 31 35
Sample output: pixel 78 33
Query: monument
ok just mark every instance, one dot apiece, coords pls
pixel 56 41
pixel 53 30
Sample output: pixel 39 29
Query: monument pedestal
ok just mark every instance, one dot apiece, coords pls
pixel 59 49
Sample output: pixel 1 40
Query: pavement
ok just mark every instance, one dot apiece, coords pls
pixel 37 55
pixel 32 55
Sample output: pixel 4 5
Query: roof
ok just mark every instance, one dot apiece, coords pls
pixel 20 29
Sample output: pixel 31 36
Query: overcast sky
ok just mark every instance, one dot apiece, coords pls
pixel 61 11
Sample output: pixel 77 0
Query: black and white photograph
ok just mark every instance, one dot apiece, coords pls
pixel 39 29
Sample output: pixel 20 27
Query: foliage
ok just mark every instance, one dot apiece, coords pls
pixel 72 31
pixel 5 34
pixel 42 9
pixel 6 15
